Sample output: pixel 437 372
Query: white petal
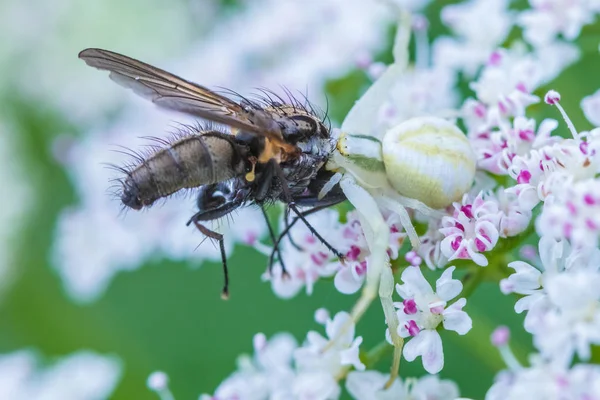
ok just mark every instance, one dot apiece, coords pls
pixel 345 282
pixel 457 320
pixel 350 356
pixel 551 251
pixel 334 326
pixel 526 279
pixel 314 385
pixel 415 283
pixel 446 287
pixel 368 385
pixel 526 302
pixel 428 345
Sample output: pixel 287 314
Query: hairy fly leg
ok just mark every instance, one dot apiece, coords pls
pixel 218 237
pixel 275 241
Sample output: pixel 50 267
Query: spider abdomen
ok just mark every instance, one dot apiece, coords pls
pixel 429 159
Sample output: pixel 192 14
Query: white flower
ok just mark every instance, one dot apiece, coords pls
pixel 351 275
pixel 83 375
pixel 573 213
pixel 497 148
pixel 548 18
pixel 344 352
pixel 267 373
pixel 367 385
pixel 528 280
pixel 472 229
pixel 572 324
pixel 505 86
pixel 479 26
pixel 418 92
pixel 562 299
pixel 514 219
pixel 312 386
pixel 546 380
pixel 423 310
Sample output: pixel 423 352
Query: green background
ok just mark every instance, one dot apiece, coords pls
pixel 169 316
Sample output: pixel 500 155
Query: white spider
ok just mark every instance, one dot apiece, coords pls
pixel 423 163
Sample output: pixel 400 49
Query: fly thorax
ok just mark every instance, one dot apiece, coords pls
pixel 360 156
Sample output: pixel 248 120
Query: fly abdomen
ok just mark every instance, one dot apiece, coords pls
pixel 195 160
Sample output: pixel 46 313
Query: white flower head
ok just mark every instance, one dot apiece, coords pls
pixel 548 18
pixel 83 375
pixel 479 27
pixel 367 385
pixel 423 310
pixel 344 352
pixel 472 229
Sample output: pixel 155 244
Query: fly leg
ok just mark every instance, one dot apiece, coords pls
pixel 287 229
pixel 275 241
pixel 287 197
pixel 218 237
pixel 286 221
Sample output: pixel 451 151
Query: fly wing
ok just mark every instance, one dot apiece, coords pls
pixel 172 92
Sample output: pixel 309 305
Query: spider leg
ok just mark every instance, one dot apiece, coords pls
pixel 379 279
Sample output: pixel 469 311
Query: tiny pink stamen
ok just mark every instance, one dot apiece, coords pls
pixel 463 254
pixel 353 253
pixel 524 177
pixel 467 210
pixel 361 268
pixel 521 87
pixel 251 238
pixel 527 135
pixel 502 107
pixel 571 207
pixel 495 58
pixel 480 110
pixel 568 230
pixel 480 245
pixel 456 243
pixel 583 147
pixel 318 258
pixel 437 310
pixel 410 307
pixel 459 226
pixel 589 199
pixel 552 97
pixel 591 224
pixel 500 336
pixel 412 328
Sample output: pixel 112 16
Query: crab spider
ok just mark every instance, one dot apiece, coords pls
pixel 423 164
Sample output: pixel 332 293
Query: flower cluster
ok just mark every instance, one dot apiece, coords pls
pixel 423 310
pixel 83 375
pixel 280 369
pixel 543 379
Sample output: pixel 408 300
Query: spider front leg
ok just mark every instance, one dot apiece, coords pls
pixel 379 279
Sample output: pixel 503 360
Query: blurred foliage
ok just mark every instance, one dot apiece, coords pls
pixel 168 315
